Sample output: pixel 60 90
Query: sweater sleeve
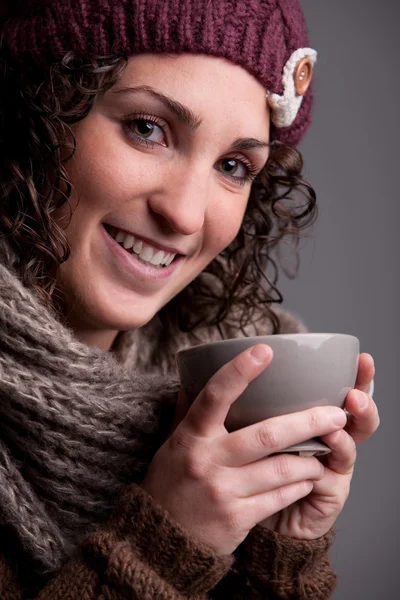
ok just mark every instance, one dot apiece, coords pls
pixel 141 554
pixel 270 566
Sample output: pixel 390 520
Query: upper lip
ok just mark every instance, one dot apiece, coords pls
pixel 165 248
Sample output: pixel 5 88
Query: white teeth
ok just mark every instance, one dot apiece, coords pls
pixel 146 253
pixel 158 258
pixel 128 241
pixel 137 248
pixel 166 257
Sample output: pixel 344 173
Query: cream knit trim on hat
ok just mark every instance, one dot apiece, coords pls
pixel 284 108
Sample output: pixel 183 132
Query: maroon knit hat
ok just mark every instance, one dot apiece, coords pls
pixel 266 37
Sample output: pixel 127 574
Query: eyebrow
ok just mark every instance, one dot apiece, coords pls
pixel 248 144
pixel 184 114
pixel 188 117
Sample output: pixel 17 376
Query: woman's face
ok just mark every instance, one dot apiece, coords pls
pixel 162 172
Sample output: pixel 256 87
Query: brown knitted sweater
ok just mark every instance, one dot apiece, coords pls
pixel 78 428
pixel 143 554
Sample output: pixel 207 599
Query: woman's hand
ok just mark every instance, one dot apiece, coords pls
pixel 219 485
pixel 311 517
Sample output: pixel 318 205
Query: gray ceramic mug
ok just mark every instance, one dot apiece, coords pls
pixel 307 370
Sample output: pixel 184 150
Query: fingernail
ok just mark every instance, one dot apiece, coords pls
pixel 259 353
pixel 362 399
pixel 339 418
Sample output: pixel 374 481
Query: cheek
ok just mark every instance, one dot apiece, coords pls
pixel 104 168
pixel 94 180
pixel 227 223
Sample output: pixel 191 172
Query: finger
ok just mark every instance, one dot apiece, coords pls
pixel 331 492
pixel 366 372
pixel 208 412
pixel 265 505
pixel 275 472
pixel 274 435
pixel 364 419
pixel 344 453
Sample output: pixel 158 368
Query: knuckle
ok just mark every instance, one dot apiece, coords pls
pixel 234 520
pixel 282 466
pixel 305 488
pixel 314 420
pixel 211 394
pixel 281 495
pixel 196 466
pixel 239 367
pixel 179 440
pixel 194 470
pixel 288 494
pixel 267 436
pixel 217 493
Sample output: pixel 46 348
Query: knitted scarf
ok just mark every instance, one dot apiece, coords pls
pixel 76 423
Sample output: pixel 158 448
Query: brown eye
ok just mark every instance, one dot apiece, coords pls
pixel 229 166
pixel 238 170
pixel 233 168
pixel 143 128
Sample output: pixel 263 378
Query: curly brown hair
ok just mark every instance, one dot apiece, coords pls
pixel 37 107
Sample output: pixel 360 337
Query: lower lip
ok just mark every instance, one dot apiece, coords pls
pixel 139 269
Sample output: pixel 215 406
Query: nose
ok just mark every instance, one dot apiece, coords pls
pixel 183 201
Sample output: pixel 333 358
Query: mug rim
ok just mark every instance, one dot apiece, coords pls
pixel 273 336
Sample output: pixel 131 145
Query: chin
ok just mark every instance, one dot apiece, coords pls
pixel 110 311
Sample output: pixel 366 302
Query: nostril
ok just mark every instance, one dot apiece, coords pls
pixel 183 216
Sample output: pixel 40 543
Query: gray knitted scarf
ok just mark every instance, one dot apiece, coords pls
pixel 77 423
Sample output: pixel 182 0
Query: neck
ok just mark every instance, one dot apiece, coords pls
pixel 87 333
pixel 96 338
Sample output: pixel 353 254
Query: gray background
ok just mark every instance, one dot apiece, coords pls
pixel 349 278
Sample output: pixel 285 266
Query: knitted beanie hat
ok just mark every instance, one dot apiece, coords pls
pixel 266 37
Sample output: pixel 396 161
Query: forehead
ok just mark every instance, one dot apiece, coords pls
pixel 206 84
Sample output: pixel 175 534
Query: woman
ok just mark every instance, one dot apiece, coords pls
pixel 147 149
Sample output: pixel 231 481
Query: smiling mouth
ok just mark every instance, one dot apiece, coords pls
pixel 142 251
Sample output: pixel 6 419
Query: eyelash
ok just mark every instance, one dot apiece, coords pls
pixel 129 120
pixel 252 170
